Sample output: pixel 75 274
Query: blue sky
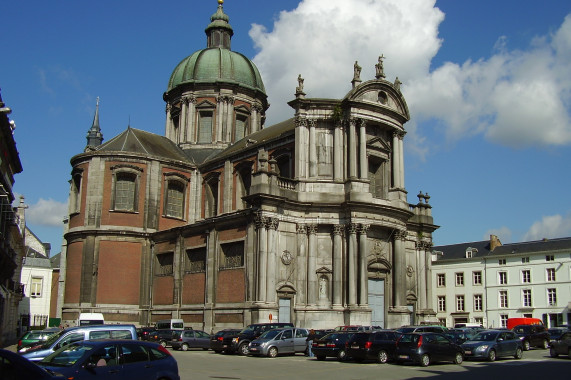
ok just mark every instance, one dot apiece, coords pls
pixel 488 85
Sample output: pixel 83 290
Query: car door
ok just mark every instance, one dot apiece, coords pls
pixel 104 363
pixel 444 347
pixel 202 339
pixel 285 343
pixel 300 340
pixel 135 361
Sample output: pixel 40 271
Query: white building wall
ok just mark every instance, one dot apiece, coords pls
pixel 36 306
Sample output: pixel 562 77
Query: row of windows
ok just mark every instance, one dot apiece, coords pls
pixel 502 277
pixel 195 259
pixel 525 259
pixel 502 298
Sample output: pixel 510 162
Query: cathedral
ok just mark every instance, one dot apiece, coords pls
pixel 224 221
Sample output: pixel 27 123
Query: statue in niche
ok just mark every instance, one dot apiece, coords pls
pixel 356 71
pixel 323 288
pixel 299 84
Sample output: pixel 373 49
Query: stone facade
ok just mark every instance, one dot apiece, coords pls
pixel 228 222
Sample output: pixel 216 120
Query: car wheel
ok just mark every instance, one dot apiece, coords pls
pixel 217 351
pixel 272 352
pixel 458 359
pixel 163 343
pixel 341 355
pixel 382 357
pixel 526 345
pixel 545 344
pixel 518 353
pixel 204 349
pixel 424 360
pixel 184 347
pixel 552 352
pixel 569 353
pixel 492 355
pixel 243 349
pixel 320 357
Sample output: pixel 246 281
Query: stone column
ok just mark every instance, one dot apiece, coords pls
pixel 352 264
pixel 190 121
pixel 312 265
pixel 401 159
pixel 396 159
pixel 183 120
pixel 302 263
pixel 363 274
pixel 217 133
pixel 168 122
pixel 301 148
pixel 230 122
pixel 421 275
pixel 272 254
pixel 262 256
pixel 363 163
pixel 337 153
pixel 312 150
pixel 337 265
pixel 428 270
pixel 400 268
pixel 352 148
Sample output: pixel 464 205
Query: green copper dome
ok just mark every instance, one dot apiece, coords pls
pixel 215 64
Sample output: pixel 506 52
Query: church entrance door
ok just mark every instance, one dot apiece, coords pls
pixel 284 315
pixel 377 301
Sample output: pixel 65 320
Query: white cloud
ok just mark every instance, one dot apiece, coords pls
pixel 321 39
pixel 46 213
pixel 549 227
pixel 513 98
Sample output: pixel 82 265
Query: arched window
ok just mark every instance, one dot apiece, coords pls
pixel 205 127
pixel 243 183
pixel 75 193
pixel 377 179
pixel 211 195
pixel 125 188
pixel 174 201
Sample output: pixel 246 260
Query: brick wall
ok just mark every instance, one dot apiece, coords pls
pixel 119 272
pixel 73 274
pixel 163 290
pixel 231 286
pixel 193 288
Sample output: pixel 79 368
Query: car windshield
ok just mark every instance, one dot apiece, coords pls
pixel 66 356
pixel 521 329
pixel 52 339
pixel 405 330
pixel 485 336
pixel 270 334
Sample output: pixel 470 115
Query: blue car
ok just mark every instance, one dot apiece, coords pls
pixel 493 344
pixel 112 359
pixel 16 367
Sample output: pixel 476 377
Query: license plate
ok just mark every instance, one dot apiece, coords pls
pixel 321 345
pixel 225 346
pixel 468 352
pixel 253 349
pixel 403 356
pixel 354 346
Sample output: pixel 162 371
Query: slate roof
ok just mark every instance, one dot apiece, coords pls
pixel 137 141
pixel 458 251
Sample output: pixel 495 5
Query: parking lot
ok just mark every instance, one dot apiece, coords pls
pixel 198 364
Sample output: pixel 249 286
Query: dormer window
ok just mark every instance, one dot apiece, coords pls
pixel 471 252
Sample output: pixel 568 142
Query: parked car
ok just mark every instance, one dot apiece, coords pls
pixel 378 345
pixel 426 348
pixel 183 340
pixel 422 328
pixel 289 340
pixel 493 344
pixel 561 346
pixel 113 359
pixel 79 333
pixel 239 343
pixel 163 337
pixel 459 336
pixel 144 332
pixel 217 340
pixel 16 367
pixel 331 345
pixel 532 336
pixel 556 332
pixel 33 338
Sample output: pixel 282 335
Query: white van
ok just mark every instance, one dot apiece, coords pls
pixel 170 324
pixel 87 319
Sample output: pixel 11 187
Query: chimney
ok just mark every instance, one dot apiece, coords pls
pixel 494 242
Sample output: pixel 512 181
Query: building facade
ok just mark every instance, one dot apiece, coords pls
pixel 224 222
pixel 486 282
pixel 11 232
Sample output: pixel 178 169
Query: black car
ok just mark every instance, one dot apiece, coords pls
pixel 459 336
pixel 17 367
pixel 144 332
pixel 378 345
pixel 555 333
pixel 561 346
pixel 532 336
pixel 239 343
pixel 331 345
pixel 163 336
pixel 217 340
pixel 426 348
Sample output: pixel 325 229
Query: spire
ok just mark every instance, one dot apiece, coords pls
pixel 219 32
pixel 94 135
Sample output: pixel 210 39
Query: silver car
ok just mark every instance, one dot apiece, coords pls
pixel 279 341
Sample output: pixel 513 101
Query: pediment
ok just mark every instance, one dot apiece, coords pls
pixel 205 104
pixel 377 143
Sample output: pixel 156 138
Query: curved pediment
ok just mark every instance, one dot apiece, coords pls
pixel 380 93
pixel 379 264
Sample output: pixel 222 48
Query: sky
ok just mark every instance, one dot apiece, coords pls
pixel 487 83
